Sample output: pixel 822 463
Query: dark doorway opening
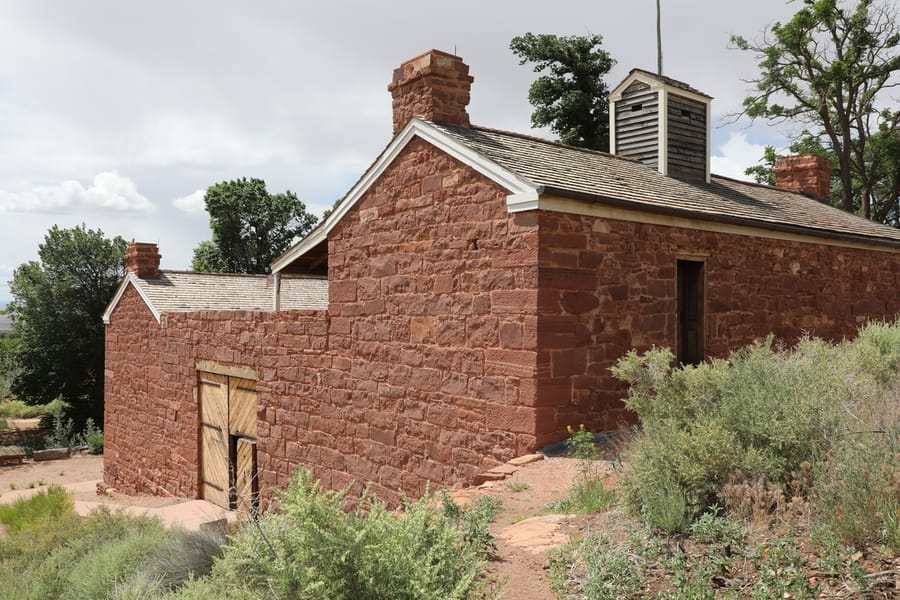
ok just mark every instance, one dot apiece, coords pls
pixel 691 349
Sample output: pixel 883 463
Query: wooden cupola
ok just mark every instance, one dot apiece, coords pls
pixel 661 122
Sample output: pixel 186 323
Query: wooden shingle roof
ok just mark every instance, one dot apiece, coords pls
pixel 187 291
pixel 554 168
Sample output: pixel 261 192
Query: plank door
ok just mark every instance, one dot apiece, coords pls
pixel 214 439
pixel 246 486
pixel 691 350
pixel 242 426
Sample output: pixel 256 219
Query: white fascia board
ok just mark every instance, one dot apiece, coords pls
pixel 528 200
pixel 130 279
pixel 415 128
pixel 655 84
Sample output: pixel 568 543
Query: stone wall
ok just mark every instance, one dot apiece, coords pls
pixel 459 335
pixel 433 296
pixel 422 371
pixel 607 286
pixel 152 418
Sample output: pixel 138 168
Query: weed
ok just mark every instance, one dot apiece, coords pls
pixel 34 511
pixel 315 548
pixel 588 494
pixel 16 409
pixel 517 486
pixel 597 569
pixel 13 486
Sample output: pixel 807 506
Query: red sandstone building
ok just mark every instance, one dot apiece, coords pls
pixel 464 302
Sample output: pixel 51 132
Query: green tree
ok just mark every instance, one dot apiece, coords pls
pixel 830 68
pixel 571 98
pixel 57 345
pixel 250 227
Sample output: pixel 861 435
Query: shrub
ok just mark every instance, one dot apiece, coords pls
pixel 316 549
pixel 37 510
pixel 588 494
pixel 98 573
pixel 90 436
pixel 761 412
pixel 599 569
pixel 857 489
pixel 16 409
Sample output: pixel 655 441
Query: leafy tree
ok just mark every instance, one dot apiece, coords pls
pixel 830 67
pixel 572 98
pixel 208 258
pixel 57 345
pixel 250 227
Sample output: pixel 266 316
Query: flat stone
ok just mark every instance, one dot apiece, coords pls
pixel 482 478
pixel 525 459
pixel 537 534
pixel 504 470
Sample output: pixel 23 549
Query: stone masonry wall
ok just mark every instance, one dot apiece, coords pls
pixel 433 289
pixel 607 286
pixel 152 418
pixel 136 427
pixel 422 371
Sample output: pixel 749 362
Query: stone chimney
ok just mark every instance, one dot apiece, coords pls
pixel 433 86
pixel 807 173
pixel 142 259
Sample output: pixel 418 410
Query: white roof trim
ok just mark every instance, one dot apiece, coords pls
pixel 130 279
pixel 415 128
pixel 528 200
pixel 655 84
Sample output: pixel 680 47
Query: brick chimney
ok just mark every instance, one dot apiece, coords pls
pixel 433 86
pixel 807 173
pixel 142 259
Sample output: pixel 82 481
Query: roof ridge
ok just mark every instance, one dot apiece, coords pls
pixel 188 272
pixel 534 138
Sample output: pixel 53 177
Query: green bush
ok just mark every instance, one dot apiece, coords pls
pixel 16 409
pixel 314 548
pixel 98 573
pixel 91 437
pixel 37 510
pixel 760 413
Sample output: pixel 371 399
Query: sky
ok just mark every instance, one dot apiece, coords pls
pixel 118 115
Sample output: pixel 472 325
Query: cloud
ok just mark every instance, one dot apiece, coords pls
pixel 735 155
pixel 192 203
pixel 109 190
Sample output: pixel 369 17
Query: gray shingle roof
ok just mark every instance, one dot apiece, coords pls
pixel 599 176
pixel 669 81
pixel 188 291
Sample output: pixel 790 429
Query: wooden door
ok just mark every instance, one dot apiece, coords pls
pixel 246 485
pixel 242 426
pixel 228 471
pixel 691 346
pixel 214 439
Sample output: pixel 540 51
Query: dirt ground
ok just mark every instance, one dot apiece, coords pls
pixel 35 474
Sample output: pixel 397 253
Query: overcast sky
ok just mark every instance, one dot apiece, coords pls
pixel 119 114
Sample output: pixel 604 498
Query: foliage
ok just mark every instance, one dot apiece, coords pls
pixel 589 493
pixel 598 569
pixel 759 413
pixel 571 98
pixel 57 344
pixel 250 227
pixel 36 511
pixel 831 67
pixel 473 521
pixel 49 552
pixel 16 409
pixel 857 488
pixel 759 424
pixel 314 548
pixel 93 439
